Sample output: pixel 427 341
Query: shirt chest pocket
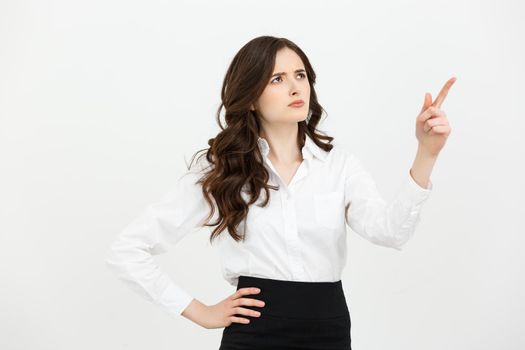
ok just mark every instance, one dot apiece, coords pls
pixel 329 209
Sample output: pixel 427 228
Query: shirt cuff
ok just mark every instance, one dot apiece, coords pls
pixel 175 299
pixel 412 192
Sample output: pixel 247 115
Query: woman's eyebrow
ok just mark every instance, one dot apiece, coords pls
pixel 283 73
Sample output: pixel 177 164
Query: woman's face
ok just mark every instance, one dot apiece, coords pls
pixel 283 89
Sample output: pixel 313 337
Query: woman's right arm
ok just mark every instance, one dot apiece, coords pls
pixel 179 212
pixel 158 226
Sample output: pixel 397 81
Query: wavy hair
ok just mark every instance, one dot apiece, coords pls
pixel 236 163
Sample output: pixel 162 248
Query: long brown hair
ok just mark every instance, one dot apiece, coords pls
pixel 236 163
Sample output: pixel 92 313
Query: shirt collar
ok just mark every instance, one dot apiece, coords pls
pixel 310 148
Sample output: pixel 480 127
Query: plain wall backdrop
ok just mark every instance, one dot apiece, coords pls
pixel 102 103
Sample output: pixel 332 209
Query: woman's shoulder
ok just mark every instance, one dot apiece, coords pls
pixel 347 159
pixel 199 164
pixel 341 154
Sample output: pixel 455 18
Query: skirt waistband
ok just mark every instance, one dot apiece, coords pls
pixel 296 299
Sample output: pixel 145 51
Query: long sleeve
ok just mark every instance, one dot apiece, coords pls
pixel 389 224
pixel 161 224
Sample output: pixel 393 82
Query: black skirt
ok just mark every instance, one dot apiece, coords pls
pixel 296 315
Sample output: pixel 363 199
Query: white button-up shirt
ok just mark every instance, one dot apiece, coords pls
pixel 300 236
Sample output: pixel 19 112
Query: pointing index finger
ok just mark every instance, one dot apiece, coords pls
pixel 443 93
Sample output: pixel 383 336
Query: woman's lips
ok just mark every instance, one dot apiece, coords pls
pixel 297 105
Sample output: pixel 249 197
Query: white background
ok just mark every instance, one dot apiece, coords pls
pixel 101 103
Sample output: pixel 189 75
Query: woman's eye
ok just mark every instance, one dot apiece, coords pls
pixel 279 77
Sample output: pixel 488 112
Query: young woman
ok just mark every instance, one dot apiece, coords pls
pixel 280 197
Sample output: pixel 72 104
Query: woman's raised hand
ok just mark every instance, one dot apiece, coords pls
pixel 432 125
